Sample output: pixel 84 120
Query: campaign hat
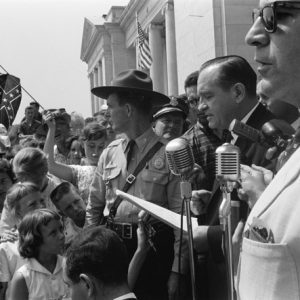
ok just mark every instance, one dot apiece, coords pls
pixel 132 80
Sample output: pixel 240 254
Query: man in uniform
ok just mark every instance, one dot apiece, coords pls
pixel 130 101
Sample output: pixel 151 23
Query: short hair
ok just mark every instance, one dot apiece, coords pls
pixel 93 131
pixel 29 159
pixel 98 252
pixel 30 237
pixel 33 103
pixel 28 108
pixel 191 79
pixel 233 69
pixel 142 103
pixel 5 167
pixel 61 190
pixel 16 193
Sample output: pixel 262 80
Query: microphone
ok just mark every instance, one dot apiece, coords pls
pixel 228 163
pixel 180 157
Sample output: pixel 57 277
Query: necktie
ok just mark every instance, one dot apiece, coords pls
pixel 227 137
pixel 130 147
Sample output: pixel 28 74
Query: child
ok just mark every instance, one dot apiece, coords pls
pixel 41 240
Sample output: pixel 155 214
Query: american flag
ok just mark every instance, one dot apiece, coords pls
pixel 144 59
pixel 10 98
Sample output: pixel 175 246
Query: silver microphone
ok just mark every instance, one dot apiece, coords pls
pixel 228 163
pixel 180 156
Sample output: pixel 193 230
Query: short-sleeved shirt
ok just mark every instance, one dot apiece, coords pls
pixel 154 183
pixel 41 283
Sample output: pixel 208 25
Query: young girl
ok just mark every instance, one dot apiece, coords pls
pixel 41 240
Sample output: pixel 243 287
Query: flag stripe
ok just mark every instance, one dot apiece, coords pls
pixel 144 56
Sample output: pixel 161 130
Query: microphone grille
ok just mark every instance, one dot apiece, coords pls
pixel 228 162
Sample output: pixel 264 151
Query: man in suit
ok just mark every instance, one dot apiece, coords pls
pixel 227 90
pixel 270 257
pixel 96 266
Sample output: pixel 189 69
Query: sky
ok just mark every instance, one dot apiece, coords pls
pixel 41 44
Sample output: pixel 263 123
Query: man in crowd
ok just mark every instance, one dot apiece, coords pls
pixel 37 114
pixel 130 99
pixel 270 256
pixel 96 266
pixel 170 120
pixel 227 90
pixel 29 125
pixel 190 87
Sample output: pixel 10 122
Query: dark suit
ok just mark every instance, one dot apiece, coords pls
pixel 214 266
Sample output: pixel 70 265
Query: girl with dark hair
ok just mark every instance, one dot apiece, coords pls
pixel 41 240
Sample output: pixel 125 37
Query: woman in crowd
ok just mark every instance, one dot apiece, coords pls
pixel 94 138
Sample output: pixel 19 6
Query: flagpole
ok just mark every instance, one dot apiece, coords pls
pixel 25 90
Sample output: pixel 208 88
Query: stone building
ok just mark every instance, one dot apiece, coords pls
pixel 182 35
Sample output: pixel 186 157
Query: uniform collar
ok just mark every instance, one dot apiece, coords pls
pixel 34 265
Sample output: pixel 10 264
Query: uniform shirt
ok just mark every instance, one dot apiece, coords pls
pixel 154 183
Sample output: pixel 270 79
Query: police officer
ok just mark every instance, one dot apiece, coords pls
pixel 130 101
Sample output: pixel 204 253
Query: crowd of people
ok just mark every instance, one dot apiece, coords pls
pixel 64 232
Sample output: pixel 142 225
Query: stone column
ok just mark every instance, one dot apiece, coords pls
pixel 96 84
pixel 100 80
pixel 156 49
pixel 91 76
pixel 171 50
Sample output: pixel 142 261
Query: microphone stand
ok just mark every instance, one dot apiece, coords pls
pixel 186 195
pixel 225 220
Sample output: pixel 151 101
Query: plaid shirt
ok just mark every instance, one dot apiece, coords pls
pixel 204 143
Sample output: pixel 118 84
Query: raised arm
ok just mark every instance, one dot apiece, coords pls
pixel 60 170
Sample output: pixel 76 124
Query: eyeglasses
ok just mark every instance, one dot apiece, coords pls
pixel 270 14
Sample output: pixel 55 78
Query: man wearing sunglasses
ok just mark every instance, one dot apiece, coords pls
pixel 269 265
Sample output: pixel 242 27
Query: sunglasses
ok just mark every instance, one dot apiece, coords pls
pixel 269 13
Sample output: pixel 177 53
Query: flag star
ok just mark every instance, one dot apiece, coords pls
pixel 8 108
pixel 11 95
pixel 5 100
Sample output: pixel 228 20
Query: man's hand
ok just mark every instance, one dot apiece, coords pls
pixel 254 180
pixel 200 200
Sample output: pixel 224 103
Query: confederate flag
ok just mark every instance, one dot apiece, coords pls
pixel 10 98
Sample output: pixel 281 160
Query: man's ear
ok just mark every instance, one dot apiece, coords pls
pixel 129 108
pixel 88 284
pixel 239 92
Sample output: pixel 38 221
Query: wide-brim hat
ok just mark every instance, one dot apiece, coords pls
pixel 132 81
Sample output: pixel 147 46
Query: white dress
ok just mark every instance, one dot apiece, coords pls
pixel 41 284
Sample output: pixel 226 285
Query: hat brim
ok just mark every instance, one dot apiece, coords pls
pixel 167 110
pixel 104 92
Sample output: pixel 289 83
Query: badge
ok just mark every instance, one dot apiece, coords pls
pixel 159 163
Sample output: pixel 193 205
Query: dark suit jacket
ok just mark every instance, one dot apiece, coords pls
pixel 251 153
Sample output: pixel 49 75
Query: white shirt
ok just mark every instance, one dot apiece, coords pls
pixel 129 295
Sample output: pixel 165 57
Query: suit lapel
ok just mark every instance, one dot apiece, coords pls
pixel 286 176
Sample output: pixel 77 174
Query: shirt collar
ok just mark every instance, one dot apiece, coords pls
pixel 126 296
pixel 142 140
pixel 34 265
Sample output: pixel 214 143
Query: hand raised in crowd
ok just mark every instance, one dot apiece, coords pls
pixel 9 236
pixel 200 200
pixel 254 180
pixel 49 119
